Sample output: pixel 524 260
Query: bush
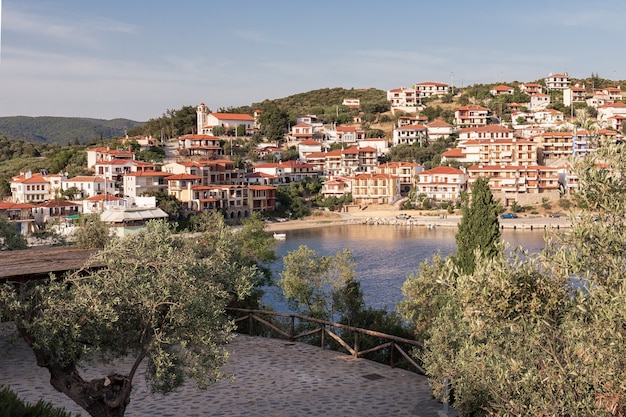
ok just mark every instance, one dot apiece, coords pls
pixel 12 406
pixel 565 204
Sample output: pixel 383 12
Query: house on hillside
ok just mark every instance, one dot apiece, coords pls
pixel 203 145
pixel 539 101
pixel 404 99
pixel 302 131
pixel 502 90
pixel 106 154
pixel 575 94
pixel 35 187
pixel 557 81
pixel 438 129
pixel 531 88
pixel 207 121
pixel 524 184
pixel 353 103
pixel 442 183
pixel 431 88
pixel 410 134
pixel 88 186
pixel 406 172
pixel 375 189
pixel 19 215
pixel 471 115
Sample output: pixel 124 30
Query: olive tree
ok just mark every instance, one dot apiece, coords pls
pixel 10 237
pixel 155 297
pixel 540 334
pixel 311 283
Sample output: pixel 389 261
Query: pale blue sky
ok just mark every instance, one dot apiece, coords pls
pixel 138 58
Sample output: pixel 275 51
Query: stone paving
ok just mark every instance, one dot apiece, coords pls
pixel 271 378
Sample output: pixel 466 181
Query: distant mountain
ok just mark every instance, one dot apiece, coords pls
pixel 63 130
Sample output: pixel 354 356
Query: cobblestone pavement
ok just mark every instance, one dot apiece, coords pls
pixel 271 378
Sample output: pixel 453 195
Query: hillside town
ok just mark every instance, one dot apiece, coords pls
pixel 526 159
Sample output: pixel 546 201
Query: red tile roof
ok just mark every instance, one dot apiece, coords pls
pixel 443 170
pixel 233 116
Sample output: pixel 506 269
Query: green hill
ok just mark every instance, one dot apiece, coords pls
pixel 63 130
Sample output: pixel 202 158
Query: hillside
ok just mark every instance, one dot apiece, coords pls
pixel 63 130
pixel 324 102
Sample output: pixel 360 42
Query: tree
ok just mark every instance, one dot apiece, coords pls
pixel 479 229
pixel 10 237
pixel 155 296
pixel 168 203
pixel 535 334
pixel 311 282
pixel 274 121
pixel 92 232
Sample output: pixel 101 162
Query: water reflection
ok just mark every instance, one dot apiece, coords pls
pixel 385 255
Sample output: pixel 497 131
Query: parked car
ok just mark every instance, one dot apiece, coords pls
pixel 403 216
pixel 555 215
pixel 509 216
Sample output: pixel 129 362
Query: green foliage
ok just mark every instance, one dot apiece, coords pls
pixel 59 130
pixel 72 160
pixel 12 406
pixel 274 121
pixel 325 103
pixel 540 334
pixel 374 133
pixel 479 229
pixel 168 203
pixel 290 154
pixel 156 296
pixel 311 282
pixel 153 155
pixel 565 203
pixel 219 131
pixel 172 124
pixel 92 232
pixel 293 198
pixel 10 237
pixel 429 152
pixel 516 207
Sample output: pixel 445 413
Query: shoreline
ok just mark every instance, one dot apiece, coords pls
pixel 417 219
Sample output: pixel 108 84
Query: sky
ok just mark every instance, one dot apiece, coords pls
pixel 136 59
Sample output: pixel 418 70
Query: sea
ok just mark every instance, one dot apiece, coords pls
pixel 385 255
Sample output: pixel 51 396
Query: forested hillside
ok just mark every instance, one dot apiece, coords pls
pixel 63 130
pixel 324 103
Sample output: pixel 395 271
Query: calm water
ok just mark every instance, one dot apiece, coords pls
pixel 385 255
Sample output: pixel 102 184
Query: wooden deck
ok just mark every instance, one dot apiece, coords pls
pixel 39 262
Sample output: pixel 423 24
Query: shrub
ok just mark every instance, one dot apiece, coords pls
pixel 12 406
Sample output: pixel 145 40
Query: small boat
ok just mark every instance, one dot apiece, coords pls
pixel 280 236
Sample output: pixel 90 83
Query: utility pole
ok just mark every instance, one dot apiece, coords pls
pixel 452 82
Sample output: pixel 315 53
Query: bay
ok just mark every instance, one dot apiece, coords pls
pixel 385 255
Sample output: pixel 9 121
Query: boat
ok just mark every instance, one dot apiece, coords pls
pixel 280 236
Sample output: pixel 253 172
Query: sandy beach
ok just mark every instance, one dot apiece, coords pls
pixel 417 218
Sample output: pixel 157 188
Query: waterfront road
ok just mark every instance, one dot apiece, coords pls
pixel 271 378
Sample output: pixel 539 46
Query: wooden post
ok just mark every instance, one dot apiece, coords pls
pixel 250 323
pixel 323 336
pixel 292 329
pixel 356 345
pixel 392 355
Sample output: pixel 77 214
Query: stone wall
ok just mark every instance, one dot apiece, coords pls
pixel 527 199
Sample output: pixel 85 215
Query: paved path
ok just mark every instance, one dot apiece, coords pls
pixel 272 378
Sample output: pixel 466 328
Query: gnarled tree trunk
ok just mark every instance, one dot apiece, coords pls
pixel 102 397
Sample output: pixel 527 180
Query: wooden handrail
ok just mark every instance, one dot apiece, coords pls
pixel 392 341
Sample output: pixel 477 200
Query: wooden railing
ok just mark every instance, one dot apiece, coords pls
pixel 326 328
